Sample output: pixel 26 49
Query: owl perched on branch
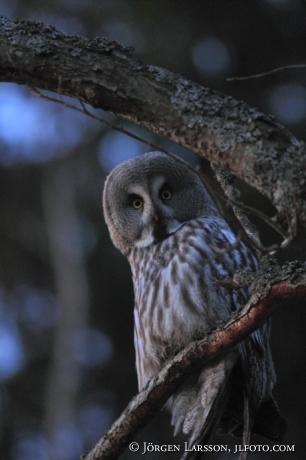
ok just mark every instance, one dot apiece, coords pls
pixel 162 219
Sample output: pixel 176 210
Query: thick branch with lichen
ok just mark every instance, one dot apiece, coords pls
pixel 234 136
pixel 270 287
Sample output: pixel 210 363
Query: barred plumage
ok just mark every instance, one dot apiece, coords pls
pixel 162 219
pixel 172 306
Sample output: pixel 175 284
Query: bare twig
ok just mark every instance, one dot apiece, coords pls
pixel 268 72
pixel 220 252
pixel 257 213
pixel 35 92
pixel 227 283
pixel 226 181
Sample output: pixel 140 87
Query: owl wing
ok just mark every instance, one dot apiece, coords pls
pixel 260 411
pixel 200 403
pixel 254 369
pixel 232 394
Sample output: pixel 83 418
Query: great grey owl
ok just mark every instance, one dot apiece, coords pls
pixel 162 219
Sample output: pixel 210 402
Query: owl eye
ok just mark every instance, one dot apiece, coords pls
pixel 166 194
pixel 137 203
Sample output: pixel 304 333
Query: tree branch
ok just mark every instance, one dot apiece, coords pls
pixel 226 181
pixel 282 283
pixel 234 136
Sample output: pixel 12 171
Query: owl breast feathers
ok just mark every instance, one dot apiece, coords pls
pixel 162 219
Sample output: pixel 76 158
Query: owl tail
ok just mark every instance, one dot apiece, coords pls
pixel 199 404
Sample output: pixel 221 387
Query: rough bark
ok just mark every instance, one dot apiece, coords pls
pixel 270 289
pixel 253 146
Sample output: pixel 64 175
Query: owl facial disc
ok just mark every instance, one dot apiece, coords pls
pixel 156 221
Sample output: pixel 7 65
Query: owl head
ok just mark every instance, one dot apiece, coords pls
pixel 148 198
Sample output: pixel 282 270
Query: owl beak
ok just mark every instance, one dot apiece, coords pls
pixel 156 217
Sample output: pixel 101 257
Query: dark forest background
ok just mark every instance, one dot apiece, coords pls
pixel 66 301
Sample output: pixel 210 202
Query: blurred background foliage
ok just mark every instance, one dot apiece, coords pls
pixel 66 300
